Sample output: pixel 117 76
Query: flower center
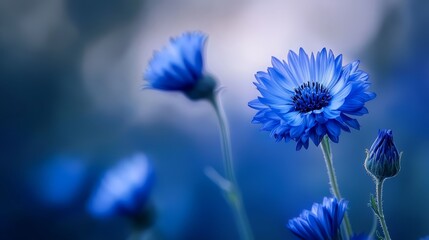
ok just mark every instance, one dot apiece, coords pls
pixel 310 96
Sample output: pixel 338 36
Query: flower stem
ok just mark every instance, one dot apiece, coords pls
pixel 379 196
pixel 327 155
pixel 233 195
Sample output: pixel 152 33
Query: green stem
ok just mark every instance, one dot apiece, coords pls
pixel 327 155
pixel 379 196
pixel 233 195
pixel 226 145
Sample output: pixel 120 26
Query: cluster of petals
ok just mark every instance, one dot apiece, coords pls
pixel 322 222
pixel 179 65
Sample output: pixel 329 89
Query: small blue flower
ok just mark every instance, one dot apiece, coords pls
pixel 383 159
pixel 322 222
pixel 180 67
pixel 124 189
pixel 310 97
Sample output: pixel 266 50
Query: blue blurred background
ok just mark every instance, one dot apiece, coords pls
pixel 72 106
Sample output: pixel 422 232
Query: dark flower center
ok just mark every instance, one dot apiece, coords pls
pixel 310 96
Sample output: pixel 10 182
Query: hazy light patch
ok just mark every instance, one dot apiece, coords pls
pixel 107 71
pixel 33 27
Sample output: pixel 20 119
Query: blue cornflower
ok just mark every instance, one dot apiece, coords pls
pixel 322 222
pixel 180 67
pixel 383 159
pixel 124 189
pixel 310 97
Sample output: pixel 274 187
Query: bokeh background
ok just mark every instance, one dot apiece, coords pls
pixel 72 106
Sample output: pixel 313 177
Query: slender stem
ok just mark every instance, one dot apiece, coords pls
pixel 226 144
pixel 233 195
pixel 327 155
pixel 379 196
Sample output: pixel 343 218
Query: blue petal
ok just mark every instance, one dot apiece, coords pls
pixel 256 104
pixel 333 128
pixel 295 132
pixel 295 69
pixel 350 121
pixel 293 118
pixel 331 114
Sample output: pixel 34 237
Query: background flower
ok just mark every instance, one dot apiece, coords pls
pixel 322 222
pixel 124 190
pixel 310 97
pixel 180 67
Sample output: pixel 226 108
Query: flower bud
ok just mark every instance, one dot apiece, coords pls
pixel 383 159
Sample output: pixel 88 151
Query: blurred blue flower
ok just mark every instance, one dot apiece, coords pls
pixel 59 181
pixel 383 159
pixel 124 189
pixel 308 98
pixel 322 222
pixel 180 67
